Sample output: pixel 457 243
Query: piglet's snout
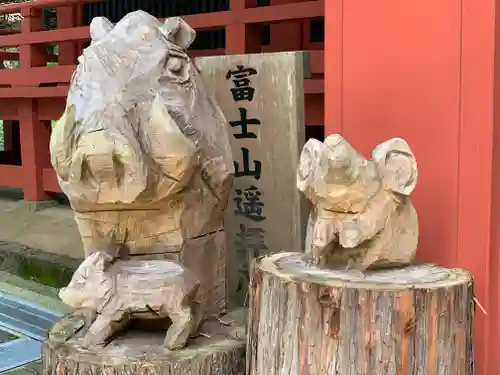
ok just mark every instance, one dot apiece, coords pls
pixel 63 294
pixel 71 297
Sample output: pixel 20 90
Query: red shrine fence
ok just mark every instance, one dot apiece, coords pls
pixel 33 93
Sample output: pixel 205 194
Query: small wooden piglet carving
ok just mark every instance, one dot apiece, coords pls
pixel 363 216
pixel 112 292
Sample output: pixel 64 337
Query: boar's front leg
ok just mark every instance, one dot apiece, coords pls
pixel 103 329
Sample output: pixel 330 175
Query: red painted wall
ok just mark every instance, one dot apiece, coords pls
pixel 423 70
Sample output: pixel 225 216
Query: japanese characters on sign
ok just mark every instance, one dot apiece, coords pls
pixel 262 99
pixel 250 240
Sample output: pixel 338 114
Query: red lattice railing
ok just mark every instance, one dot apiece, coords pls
pixel 34 93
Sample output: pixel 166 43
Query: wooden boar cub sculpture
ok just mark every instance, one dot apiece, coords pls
pixel 362 216
pixel 113 292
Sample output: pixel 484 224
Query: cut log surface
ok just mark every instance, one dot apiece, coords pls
pixel 305 320
pixel 219 351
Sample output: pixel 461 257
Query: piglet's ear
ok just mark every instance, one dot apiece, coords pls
pixel 92 259
pixel 101 261
pixel 396 165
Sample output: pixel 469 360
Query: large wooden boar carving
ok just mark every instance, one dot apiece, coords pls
pixel 142 151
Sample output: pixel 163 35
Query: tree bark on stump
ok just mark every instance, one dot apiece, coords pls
pixel 219 351
pixel 305 320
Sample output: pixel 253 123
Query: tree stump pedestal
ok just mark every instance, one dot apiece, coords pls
pixel 305 320
pixel 219 350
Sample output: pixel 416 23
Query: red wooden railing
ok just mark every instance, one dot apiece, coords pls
pixel 34 94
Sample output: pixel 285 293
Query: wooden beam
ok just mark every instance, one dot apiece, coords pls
pixel 242 38
pixel 18 7
pixel 33 92
pixel 66 19
pixel 8 109
pixel 333 58
pixel 62 73
pixel 14 56
pixel 272 14
pixel 9 56
pixel 50 182
pixel 283 12
pixel 51 108
pixel 478 178
pixel 31 55
pixel 317 62
pixel 311 86
pixel 9 31
pixel 11 176
pixel 37 75
pixel 315 109
pixel 314 86
pixel 206 52
pixel 35 138
pixel 287 36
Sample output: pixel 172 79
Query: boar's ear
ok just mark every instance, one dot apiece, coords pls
pixel 396 165
pixel 178 32
pixel 99 27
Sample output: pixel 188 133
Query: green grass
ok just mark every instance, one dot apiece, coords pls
pixel 45 273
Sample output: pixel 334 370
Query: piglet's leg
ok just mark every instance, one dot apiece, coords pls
pixel 180 330
pixel 103 328
pixel 89 316
pixel 367 224
pixel 321 236
pixel 197 318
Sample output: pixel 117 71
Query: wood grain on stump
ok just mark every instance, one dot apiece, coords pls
pixel 310 321
pixel 220 351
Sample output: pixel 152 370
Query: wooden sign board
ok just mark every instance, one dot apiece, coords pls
pixel 262 97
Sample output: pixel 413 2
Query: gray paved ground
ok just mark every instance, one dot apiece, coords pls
pixel 52 229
